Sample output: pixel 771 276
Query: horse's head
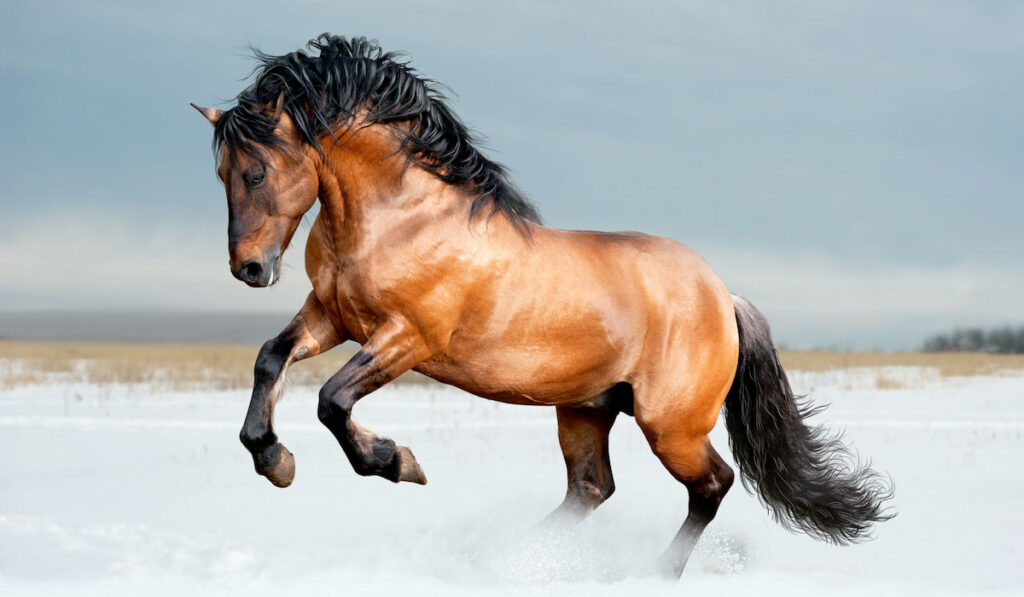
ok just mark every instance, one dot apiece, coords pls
pixel 271 181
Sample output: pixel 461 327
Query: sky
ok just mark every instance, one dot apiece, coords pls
pixel 856 169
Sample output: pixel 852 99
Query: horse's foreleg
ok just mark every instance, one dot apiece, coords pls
pixel 583 436
pixel 392 350
pixel 309 333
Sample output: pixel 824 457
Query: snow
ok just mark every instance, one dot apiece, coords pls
pixel 125 490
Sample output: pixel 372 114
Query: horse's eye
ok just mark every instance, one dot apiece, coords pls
pixel 256 180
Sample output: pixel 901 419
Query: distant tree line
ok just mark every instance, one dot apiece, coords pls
pixel 1004 340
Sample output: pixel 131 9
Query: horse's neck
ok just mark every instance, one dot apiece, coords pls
pixel 366 186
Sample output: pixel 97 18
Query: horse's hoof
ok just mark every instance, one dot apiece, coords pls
pixel 277 464
pixel 408 469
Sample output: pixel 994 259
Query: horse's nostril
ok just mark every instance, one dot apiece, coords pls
pixel 251 272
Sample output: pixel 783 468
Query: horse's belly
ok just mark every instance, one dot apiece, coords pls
pixel 562 370
pixel 557 335
pixel 515 390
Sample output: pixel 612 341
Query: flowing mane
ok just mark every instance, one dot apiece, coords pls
pixel 323 93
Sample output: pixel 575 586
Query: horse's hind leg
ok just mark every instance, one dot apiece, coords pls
pixel 694 462
pixel 583 435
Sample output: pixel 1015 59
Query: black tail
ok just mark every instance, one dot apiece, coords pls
pixel 806 477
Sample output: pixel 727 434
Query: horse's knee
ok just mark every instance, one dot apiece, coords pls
pixel 331 407
pixel 324 411
pixel 271 359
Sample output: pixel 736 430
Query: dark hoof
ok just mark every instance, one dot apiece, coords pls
pixel 408 469
pixel 277 464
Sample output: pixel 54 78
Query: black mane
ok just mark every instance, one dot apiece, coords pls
pixel 324 92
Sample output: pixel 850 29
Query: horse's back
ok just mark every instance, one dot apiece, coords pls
pixel 675 285
pixel 673 317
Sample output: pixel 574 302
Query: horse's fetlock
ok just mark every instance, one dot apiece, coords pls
pixel 592 493
pixel 364 468
pixel 608 489
pixel 385 450
pixel 256 439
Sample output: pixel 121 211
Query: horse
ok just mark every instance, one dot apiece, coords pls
pixel 425 254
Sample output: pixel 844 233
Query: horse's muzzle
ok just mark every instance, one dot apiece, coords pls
pixel 257 274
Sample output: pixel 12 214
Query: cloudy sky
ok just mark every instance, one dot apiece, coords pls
pixel 855 168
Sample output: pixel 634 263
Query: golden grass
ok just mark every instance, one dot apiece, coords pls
pixel 228 367
pixel 168 366
pixel 948 364
pixel 887 382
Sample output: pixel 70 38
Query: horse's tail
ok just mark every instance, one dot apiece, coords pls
pixel 807 479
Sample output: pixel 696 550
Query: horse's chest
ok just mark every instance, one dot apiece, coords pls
pixel 356 308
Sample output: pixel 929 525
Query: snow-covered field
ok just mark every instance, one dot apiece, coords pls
pixel 120 490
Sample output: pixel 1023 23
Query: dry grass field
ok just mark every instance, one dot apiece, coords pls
pixel 174 367
pixel 948 364
pixel 228 367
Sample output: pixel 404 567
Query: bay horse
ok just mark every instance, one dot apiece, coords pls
pixel 426 255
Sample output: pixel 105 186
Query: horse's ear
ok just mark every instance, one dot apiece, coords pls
pixel 211 114
pixel 279 106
